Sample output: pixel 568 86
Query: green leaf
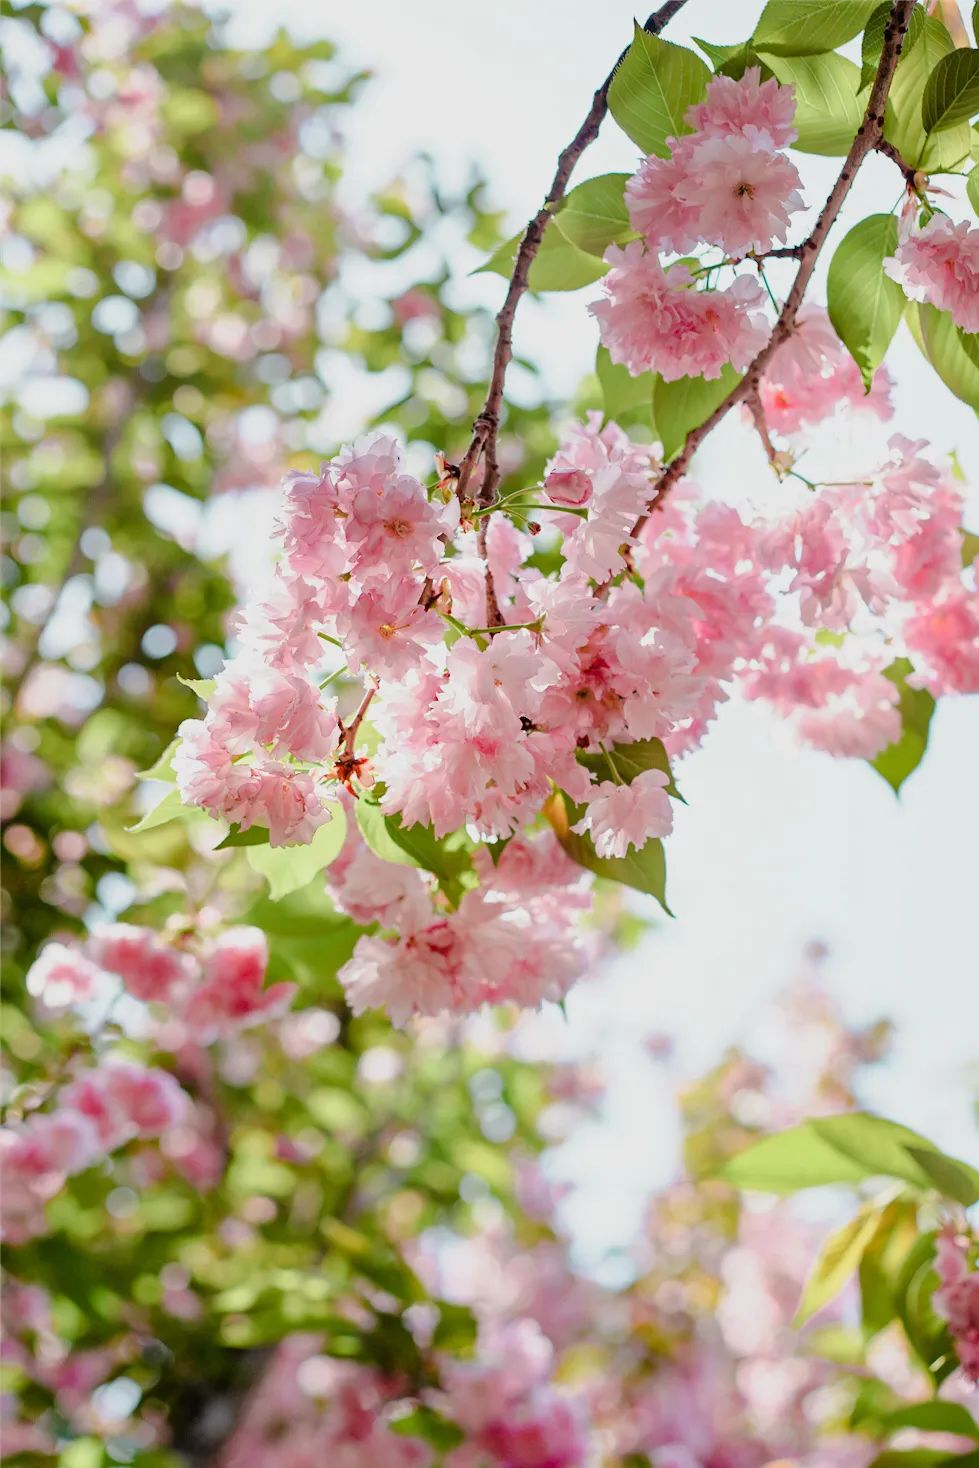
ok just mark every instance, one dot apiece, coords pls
pixel 643 870
pixel 942 343
pixel 287 868
pixel 838 1258
pixel 732 61
pixel 839 1149
pixel 594 215
pixel 253 836
pixel 952 1178
pixel 170 808
pixel 865 305
pixel 624 397
pixel 799 28
pixel 652 89
pixel 203 687
pixel 630 760
pixel 457 1328
pixel 828 112
pixel 882 1262
pixel 901 758
pixel 430 1426
pixel 927 1335
pixel 558 265
pixel 934 1417
pixel 903 122
pixel 413 846
pixel 873 39
pixel 972 189
pixel 162 768
pixel 952 91
pixel 681 406
pixel 970 546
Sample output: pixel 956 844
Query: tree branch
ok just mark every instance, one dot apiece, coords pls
pixel 486 427
pixel 868 139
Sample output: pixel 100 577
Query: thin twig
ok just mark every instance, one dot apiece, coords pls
pixel 868 138
pixel 756 409
pixel 911 176
pixel 486 427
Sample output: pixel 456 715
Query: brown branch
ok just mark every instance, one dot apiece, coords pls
pixel 868 139
pixel 755 408
pixel 486 427
pixel 911 176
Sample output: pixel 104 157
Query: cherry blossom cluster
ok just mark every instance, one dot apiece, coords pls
pixel 640 635
pixel 114 1103
pixel 957 1299
pixel 214 991
pixel 726 184
pixel 939 264
pixel 315 1409
pixel 511 938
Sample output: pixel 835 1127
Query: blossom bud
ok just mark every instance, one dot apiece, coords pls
pixel 568 487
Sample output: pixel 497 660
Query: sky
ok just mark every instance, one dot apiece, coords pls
pixel 778 845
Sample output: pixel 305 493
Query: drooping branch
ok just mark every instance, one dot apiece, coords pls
pixel 868 139
pixel 483 444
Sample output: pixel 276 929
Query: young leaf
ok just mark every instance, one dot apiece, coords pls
pixel 882 1261
pixel 630 760
pixel 799 28
pixel 170 808
pixel 952 91
pixel 934 1417
pixel 644 870
pixel 972 189
pixel 594 216
pixel 162 768
pixel 203 687
pixel 287 868
pixel 828 111
pixel 425 1423
pixel 873 39
pixel 838 1258
pixel 839 1149
pixel 682 405
pixel 412 846
pixel 653 88
pixel 253 836
pixel 903 122
pixel 732 61
pixel 901 758
pixel 558 266
pixel 942 343
pixel 865 305
pixel 624 397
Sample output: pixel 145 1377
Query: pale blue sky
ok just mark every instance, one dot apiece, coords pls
pixel 778 845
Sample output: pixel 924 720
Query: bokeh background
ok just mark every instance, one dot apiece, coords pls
pixel 140 466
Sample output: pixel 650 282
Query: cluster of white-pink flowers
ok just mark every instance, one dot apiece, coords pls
pixel 939 265
pixel 214 988
pixel 512 938
pixel 957 1299
pixel 726 184
pixel 309 1408
pixel 111 1104
pixel 638 636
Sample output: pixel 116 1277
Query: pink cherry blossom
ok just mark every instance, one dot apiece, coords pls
pixel 939 264
pixel 957 1299
pixel 620 816
pixel 732 107
pixel 568 487
pixel 61 976
pixel 150 968
pixel 812 375
pixel 232 993
pixel 727 189
pixel 653 321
